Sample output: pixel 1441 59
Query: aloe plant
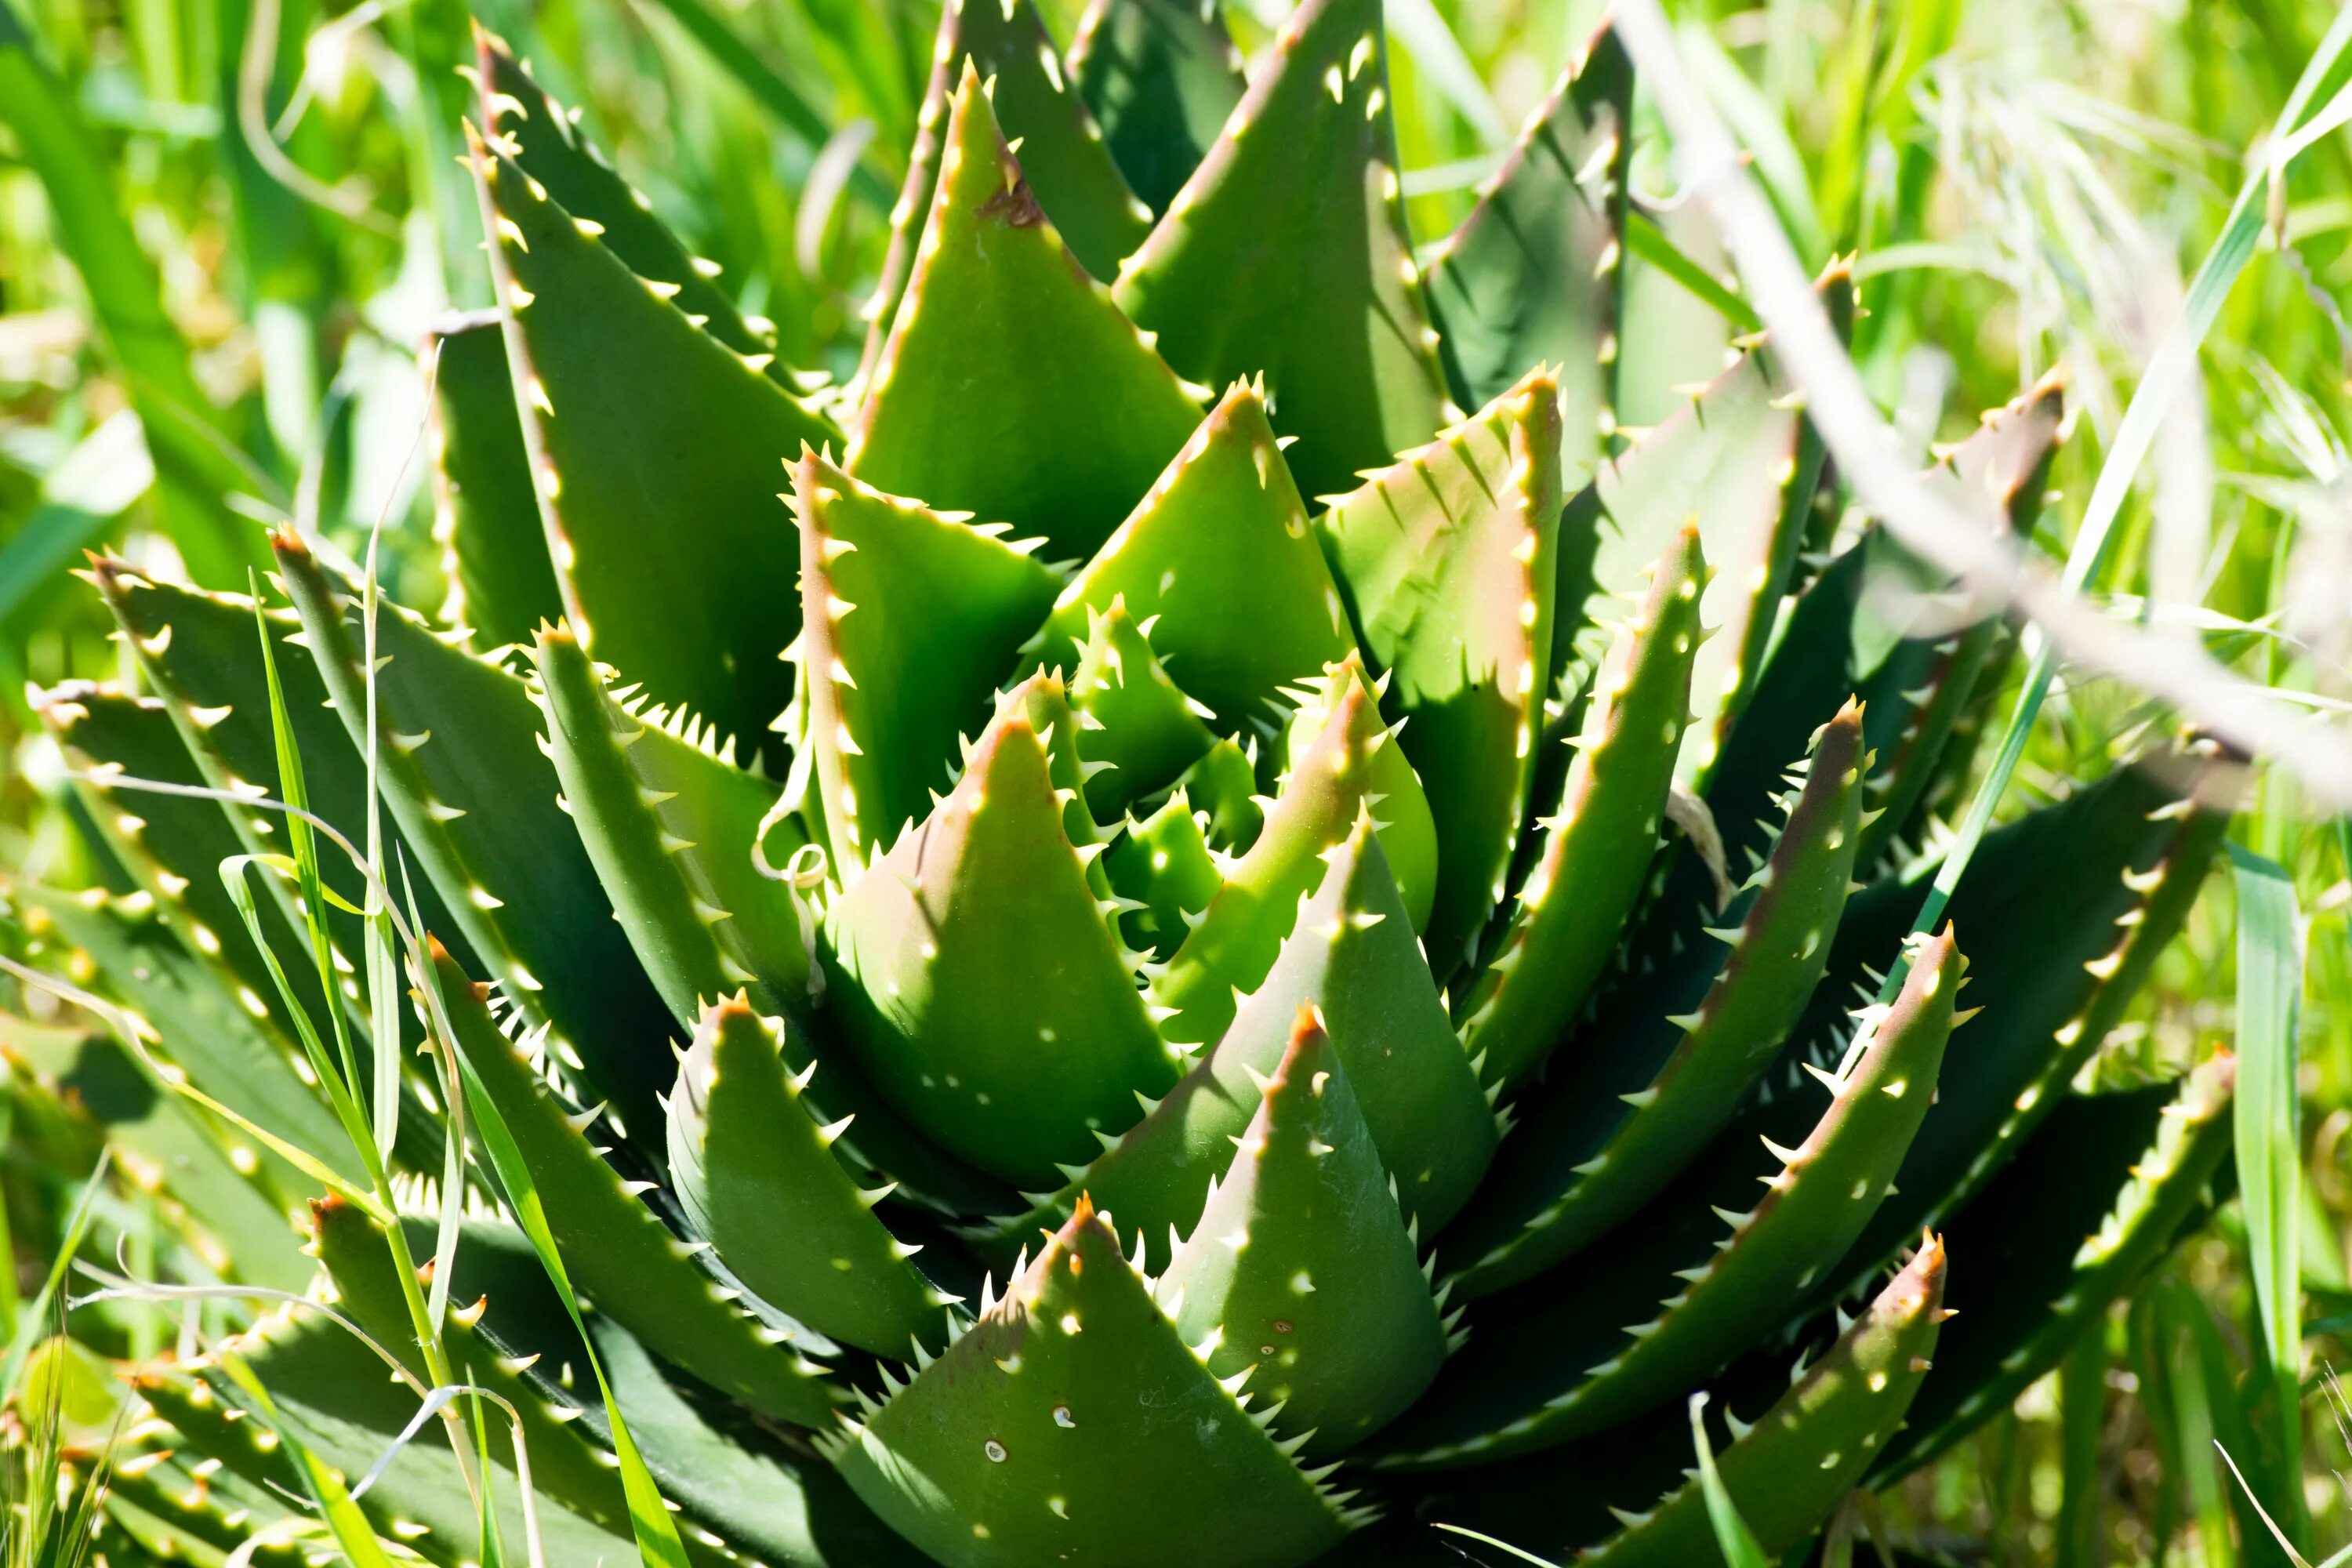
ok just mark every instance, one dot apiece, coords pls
pixel 1201 919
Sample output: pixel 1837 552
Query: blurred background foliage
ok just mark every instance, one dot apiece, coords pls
pixel 226 224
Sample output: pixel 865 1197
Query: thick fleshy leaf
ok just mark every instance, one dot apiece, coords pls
pixel 1234 941
pixel 198 1175
pixel 1286 254
pixel 669 542
pixel 1137 730
pixel 978 971
pixel 1072 1422
pixel 617 1250
pixel 534 130
pixel 1079 187
pixel 755 1172
pixel 1301 1274
pixel 2069 907
pixel 1446 559
pixel 1350 956
pixel 1161 76
pixel 910 620
pixel 508 862
pixel 1010 386
pixel 1164 863
pixel 2099 1193
pixel 1673 1300
pixel 1219 560
pixel 1611 1126
pixel 486 512
pixel 1408 829
pixel 1740 458
pixel 1531 275
pixel 673 831
pixel 1572 908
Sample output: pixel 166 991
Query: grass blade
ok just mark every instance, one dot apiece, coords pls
pixel 1739 1544
pixel 35 1315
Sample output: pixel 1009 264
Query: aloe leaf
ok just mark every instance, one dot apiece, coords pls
pixel 1159 77
pixel 510 865
pixel 1531 275
pixel 531 128
pixel 1286 254
pixel 909 620
pixel 2068 907
pixel 2097 1195
pixel 618 1250
pixel 1234 942
pixel 357 1256
pixel 1740 457
pixel 755 1172
pixel 1301 1275
pixel 331 1391
pixel 174 844
pixel 1446 560
pixel 1071 1419
pixel 978 969
pixel 1009 385
pixel 191 1508
pixel 1790 1467
pixel 1003 44
pixel 1408 827
pixel 1613 1124
pixel 166 1145
pixel 1712 1269
pixel 1137 730
pixel 1218 560
pixel 1224 783
pixel 486 512
pixel 1164 863
pixel 673 833
pixel 1596 846
pixel 758 1497
pixel 198 652
pixel 1350 956
pixel 619 474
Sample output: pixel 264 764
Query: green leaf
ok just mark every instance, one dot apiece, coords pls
pixel 1072 1420
pixel 486 510
pixel 1301 1275
pixel 1161 76
pixel 2269 1101
pixel 673 833
pixel 978 970
pixel 756 1174
pixel 509 864
pixel 1235 941
pixel 1408 828
pixel 1609 1127
pixel 1010 386
pixel 200 463
pixel 656 449
pixel 1137 730
pixel 531 128
pixel 1286 254
pixel 1446 560
pixel 1219 562
pixel 1673 1300
pixel 1163 863
pixel 2098 1195
pixel 1572 911
pixel 910 620
pixel 1004 45
pixel 586 1223
pixel 1530 277
pixel 2069 907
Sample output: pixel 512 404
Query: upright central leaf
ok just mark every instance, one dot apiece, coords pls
pixel 1448 559
pixel 1286 253
pixel 912 618
pixel 1010 386
pixel 989 995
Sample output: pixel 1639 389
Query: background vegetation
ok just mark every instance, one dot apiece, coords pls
pixel 224 224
